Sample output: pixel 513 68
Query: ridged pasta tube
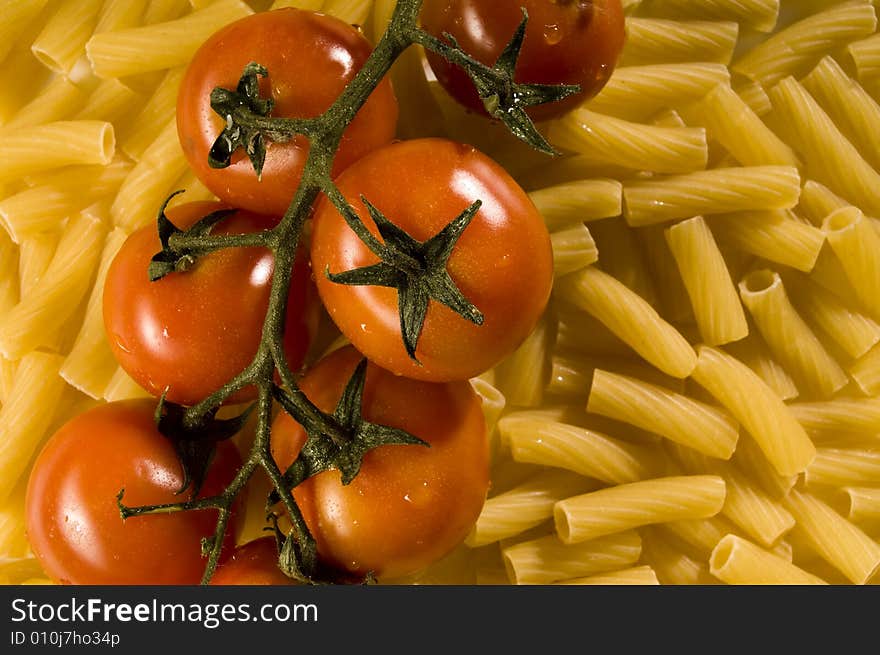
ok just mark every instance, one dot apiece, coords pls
pixel 630 318
pixel 618 142
pixel 738 561
pixel 676 417
pixel 549 560
pixel 653 40
pixel 833 538
pixel 716 191
pixel 791 340
pixel 772 424
pixel 636 504
pixel 790 51
pixel 717 309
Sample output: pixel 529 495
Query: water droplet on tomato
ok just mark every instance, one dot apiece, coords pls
pixel 552 34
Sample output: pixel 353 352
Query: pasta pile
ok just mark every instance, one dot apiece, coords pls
pixel 701 402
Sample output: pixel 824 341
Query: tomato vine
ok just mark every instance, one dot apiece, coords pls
pixel 341 439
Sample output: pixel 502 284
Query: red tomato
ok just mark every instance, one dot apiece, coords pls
pixel 409 505
pixel 192 332
pixel 503 262
pixel 310 58
pixel 255 563
pixel 566 42
pixel 73 523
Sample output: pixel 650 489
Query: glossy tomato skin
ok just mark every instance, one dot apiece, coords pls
pixel 192 332
pixel 310 58
pixel 567 42
pixel 73 523
pixel 254 563
pixel 409 505
pixel 503 262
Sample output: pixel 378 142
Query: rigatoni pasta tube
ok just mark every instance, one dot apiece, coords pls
pixel 25 416
pixel 56 101
pixel 700 535
pixel 756 514
pixel 141 131
pixel 90 364
pixel 738 561
pixel 522 508
pixel 671 565
pixel 750 459
pixel 653 40
pixel 791 340
pixel 573 249
pixel 632 505
pixel 817 201
pixel 61 41
pixel 637 575
pixel 522 376
pixel 671 292
pixel 58 292
pixel 771 235
pixel 827 153
pixel 620 255
pixel 566 204
pixel 578 449
pixel 727 118
pixel 859 415
pixel 13 541
pixel 46 207
pixel 636 92
pixel 857 245
pixel 16 17
pixel 866 57
pixel 630 318
pixel 853 109
pixel 866 371
pixel 676 417
pixel 758 14
pixel 771 423
pixel 852 331
pixel 863 503
pixel 549 560
pixel 840 467
pixel 615 141
pixel 716 191
pixel 150 181
pixel 62 143
pixel 789 51
pixel 719 314
pixel 163 45
pixel 833 538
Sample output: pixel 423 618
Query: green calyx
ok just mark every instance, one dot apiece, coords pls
pixel 503 97
pixel 246 98
pixel 418 270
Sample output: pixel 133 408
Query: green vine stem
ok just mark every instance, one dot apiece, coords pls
pixel 341 433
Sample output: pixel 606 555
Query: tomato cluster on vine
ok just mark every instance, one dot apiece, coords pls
pixel 435 269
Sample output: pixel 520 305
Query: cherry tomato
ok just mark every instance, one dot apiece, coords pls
pixel 191 332
pixel 502 262
pixel 255 563
pixel 310 58
pixel 566 42
pixel 73 523
pixel 408 505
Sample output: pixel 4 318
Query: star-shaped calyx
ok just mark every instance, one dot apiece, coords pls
pixel 417 269
pixel 354 438
pixel 507 100
pixel 227 104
